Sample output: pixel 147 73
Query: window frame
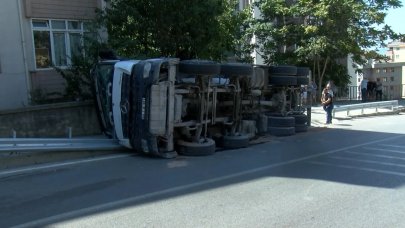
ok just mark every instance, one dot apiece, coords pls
pixel 66 31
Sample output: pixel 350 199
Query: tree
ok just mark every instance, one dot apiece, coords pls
pixel 178 28
pixel 318 33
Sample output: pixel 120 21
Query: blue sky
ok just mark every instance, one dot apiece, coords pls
pixel 396 18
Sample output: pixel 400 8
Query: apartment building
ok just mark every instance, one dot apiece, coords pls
pixel 37 34
pixel 391 73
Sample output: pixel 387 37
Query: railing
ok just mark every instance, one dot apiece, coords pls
pixel 389 92
pixel 371 105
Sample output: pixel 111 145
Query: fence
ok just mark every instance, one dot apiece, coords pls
pixel 368 105
pixel 389 92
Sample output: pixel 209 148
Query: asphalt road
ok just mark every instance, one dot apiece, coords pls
pixel 348 175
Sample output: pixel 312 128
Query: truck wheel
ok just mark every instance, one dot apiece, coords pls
pixel 236 69
pixel 199 67
pixel 235 141
pixel 303 71
pixel 302 80
pixel 281 131
pixel 275 121
pixel 283 80
pixel 301 128
pixel 283 70
pixel 206 147
pixel 300 118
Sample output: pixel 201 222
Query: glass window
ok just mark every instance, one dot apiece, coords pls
pixel 40 24
pixel 397 48
pixel 392 79
pixel 56 41
pixel 42 49
pixel 58 24
pixel 384 79
pixel 74 25
pixel 397 56
pixel 60 49
pixel 75 44
pixel 392 69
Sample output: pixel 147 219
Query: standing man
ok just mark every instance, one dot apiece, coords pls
pixel 327 104
pixel 378 93
pixel 363 87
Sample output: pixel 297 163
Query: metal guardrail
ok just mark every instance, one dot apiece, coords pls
pixel 57 144
pixel 371 105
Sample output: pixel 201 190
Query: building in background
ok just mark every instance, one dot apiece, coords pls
pixel 37 34
pixel 391 73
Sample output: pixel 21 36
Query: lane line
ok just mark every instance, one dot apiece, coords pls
pixel 368 161
pixel 385 150
pixel 358 168
pixel 396 146
pixel 8 173
pixel 374 155
pixel 131 200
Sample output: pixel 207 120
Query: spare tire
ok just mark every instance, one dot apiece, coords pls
pixel 300 118
pixel 236 69
pixel 303 71
pixel 281 131
pixel 283 70
pixel 235 141
pixel 302 80
pixel 199 67
pixel 283 80
pixel 275 121
pixel 206 147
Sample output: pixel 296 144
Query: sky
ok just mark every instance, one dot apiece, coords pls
pixel 396 18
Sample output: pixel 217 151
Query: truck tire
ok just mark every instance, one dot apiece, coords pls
pixel 283 80
pixel 300 118
pixel 236 69
pixel 283 70
pixel 301 128
pixel 235 141
pixel 206 147
pixel 302 71
pixel 281 131
pixel 302 80
pixel 199 67
pixel 275 121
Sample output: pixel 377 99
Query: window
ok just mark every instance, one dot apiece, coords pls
pixel 378 70
pixel 397 48
pixel 392 69
pixel 392 79
pixel 385 79
pixel 385 70
pixel 56 41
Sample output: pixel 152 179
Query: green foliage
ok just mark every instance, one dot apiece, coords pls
pixel 79 82
pixel 317 33
pixel 178 28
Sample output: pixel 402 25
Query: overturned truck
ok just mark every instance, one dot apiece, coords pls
pixel 166 106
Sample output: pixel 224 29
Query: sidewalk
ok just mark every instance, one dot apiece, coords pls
pixel 318 115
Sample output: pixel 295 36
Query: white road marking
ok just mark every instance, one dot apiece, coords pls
pixel 375 155
pixel 385 150
pixel 56 165
pixel 358 168
pixel 389 145
pixel 106 206
pixel 368 161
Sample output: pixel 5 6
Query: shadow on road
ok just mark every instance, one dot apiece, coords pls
pixel 334 155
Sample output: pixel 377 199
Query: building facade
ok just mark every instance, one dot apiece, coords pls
pixel 37 35
pixel 390 73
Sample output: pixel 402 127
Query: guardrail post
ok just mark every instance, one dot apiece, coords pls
pixel 69 132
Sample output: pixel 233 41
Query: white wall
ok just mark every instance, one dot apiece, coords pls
pixel 13 80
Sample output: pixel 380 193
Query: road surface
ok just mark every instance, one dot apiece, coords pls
pixel 349 175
